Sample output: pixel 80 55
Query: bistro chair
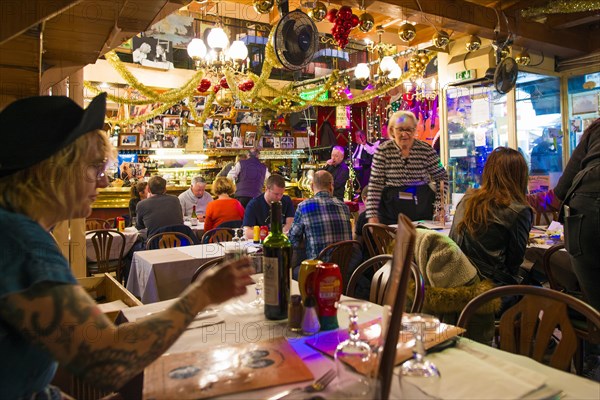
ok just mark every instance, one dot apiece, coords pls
pixel 342 253
pixel 217 235
pixel 366 271
pixel 378 238
pixel 103 241
pixel 528 326
pixel 166 240
pixel 97 223
pixel 206 266
pixel 394 300
pixel 380 281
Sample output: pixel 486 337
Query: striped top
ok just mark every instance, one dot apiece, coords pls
pixel 389 168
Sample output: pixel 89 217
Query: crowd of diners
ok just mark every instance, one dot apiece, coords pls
pixel 58 178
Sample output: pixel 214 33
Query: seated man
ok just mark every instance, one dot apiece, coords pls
pixel 197 196
pixel 337 167
pixel 258 210
pixel 322 220
pixel 158 210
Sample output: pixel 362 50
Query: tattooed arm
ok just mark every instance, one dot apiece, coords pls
pixel 66 321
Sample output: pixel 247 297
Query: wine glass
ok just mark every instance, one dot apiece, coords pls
pixel 354 352
pixel 240 232
pixel 235 238
pixel 419 324
pixel 258 302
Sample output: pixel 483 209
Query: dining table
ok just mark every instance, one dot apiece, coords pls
pixel 468 370
pixel 131 234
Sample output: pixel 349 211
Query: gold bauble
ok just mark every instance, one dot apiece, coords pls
pixel 263 6
pixel 318 12
pixel 523 58
pixel 366 22
pixel 424 60
pixel 407 32
pixel 505 52
pixel 474 43
pixel 441 39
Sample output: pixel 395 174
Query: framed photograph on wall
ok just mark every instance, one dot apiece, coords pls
pixel 129 139
pixel 585 103
pixel 172 123
pixel 249 139
pixel 287 142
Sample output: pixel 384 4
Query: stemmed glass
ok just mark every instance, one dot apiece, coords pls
pixel 258 302
pixel 354 352
pixel 419 324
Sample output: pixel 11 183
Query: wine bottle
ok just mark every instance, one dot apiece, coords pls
pixel 277 257
pixel 194 215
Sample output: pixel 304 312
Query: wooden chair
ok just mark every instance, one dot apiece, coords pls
pixel 527 327
pixel 341 253
pixel 373 263
pixel 206 266
pixel 217 235
pixel 166 240
pixel 394 300
pixel 545 207
pixel 378 238
pixel 103 240
pixel 97 223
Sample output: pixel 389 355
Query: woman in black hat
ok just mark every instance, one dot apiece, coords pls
pixel 45 316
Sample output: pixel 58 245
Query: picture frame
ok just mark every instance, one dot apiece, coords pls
pixel 249 139
pixel 287 142
pixel 585 103
pixel 129 139
pixel 172 123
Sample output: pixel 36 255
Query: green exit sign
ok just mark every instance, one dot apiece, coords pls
pixel 466 75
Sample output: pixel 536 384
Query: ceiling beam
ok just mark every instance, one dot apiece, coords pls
pixel 17 16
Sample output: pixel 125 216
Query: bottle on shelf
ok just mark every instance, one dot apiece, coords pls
pixel 277 255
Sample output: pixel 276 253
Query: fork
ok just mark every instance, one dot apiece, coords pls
pixel 317 386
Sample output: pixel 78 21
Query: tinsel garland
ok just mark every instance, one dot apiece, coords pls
pixel 562 7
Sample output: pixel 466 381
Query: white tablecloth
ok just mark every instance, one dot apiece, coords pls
pixel 131 235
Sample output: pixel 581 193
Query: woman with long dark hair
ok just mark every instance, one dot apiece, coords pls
pixel 491 224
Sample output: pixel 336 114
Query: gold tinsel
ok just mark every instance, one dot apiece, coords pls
pixel 562 7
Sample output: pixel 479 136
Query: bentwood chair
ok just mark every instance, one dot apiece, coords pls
pixel 527 327
pixel 97 223
pixel 206 266
pixel 342 253
pixel 166 240
pixel 378 238
pixel 217 235
pixel 103 241
pixel 394 300
pixel 380 281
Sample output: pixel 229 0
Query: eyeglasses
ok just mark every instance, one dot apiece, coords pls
pixel 404 129
pixel 97 170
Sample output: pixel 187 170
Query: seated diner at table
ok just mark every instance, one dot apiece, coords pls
pixel 224 208
pixel 45 315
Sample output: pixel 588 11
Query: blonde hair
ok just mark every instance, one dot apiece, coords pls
pixel 402 115
pixel 51 185
pixel 223 185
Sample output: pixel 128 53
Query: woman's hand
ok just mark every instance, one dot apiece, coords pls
pixel 227 281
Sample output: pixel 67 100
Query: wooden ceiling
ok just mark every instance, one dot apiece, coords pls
pixel 42 42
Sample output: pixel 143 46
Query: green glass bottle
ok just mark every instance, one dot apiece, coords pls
pixel 277 257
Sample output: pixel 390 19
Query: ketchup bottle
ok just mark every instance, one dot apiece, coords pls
pixel 328 290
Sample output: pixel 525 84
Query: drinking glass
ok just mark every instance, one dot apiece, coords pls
pixel 354 352
pixel 235 238
pixel 240 232
pixel 419 325
pixel 258 302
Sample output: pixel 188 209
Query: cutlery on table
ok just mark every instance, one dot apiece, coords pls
pixel 317 386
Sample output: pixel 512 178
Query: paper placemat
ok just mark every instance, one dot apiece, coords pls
pixel 370 331
pixel 226 369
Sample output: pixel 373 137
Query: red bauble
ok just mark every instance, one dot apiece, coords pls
pixel 216 88
pixel 249 84
pixel 223 83
pixel 355 20
pixel 204 85
pixel 345 13
pixel 331 14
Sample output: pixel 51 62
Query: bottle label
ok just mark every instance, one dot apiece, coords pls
pixel 271 279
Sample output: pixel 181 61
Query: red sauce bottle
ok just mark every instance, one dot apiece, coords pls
pixel 328 290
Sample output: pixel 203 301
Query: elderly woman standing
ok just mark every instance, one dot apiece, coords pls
pixel 45 314
pixel 400 174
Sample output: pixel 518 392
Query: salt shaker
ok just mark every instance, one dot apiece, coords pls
pixel 310 321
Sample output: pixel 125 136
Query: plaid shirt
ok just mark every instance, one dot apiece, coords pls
pixel 320 221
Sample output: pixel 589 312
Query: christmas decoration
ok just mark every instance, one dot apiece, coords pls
pixel 441 39
pixel 523 58
pixel 366 22
pixel 473 44
pixel 407 32
pixel 263 6
pixel 318 12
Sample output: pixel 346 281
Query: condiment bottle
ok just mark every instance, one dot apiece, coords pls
pixel 306 278
pixel 310 321
pixel 328 290
pixel 256 234
pixel 295 313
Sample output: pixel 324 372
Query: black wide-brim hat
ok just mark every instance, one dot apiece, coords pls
pixel 35 128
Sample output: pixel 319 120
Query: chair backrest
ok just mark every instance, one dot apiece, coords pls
pixel 181 228
pixel 373 263
pixel 545 207
pixel 527 327
pixel 103 240
pixel 217 235
pixel 378 238
pixel 206 266
pixel 341 253
pixel 92 224
pixel 380 284
pixel 166 240
pixel 564 280
pixel 231 224
pixel 395 298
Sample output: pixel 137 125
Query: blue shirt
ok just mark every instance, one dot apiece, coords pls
pixel 320 221
pixel 28 255
pixel 258 212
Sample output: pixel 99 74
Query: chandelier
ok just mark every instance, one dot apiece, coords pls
pixel 389 71
pixel 219 53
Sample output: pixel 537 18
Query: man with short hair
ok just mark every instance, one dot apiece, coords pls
pixel 339 170
pixel 258 211
pixel 249 176
pixel 197 196
pixel 321 220
pixel 159 209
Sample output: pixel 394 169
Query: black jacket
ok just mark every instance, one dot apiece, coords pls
pixel 499 251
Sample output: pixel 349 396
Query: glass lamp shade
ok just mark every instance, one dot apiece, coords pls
pixel 396 72
pixel 387 64
pixel 217 39
pixel 196 49
pixel 238 51
pixel 362 71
